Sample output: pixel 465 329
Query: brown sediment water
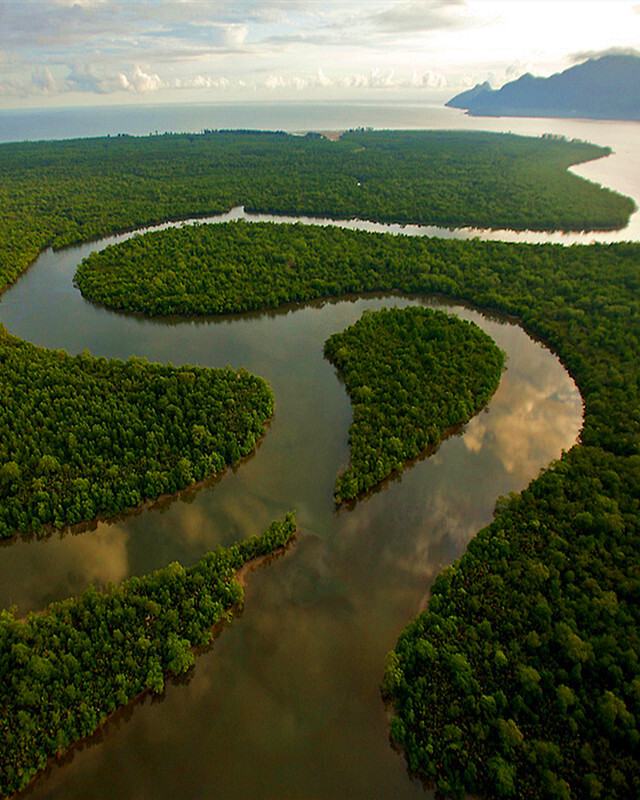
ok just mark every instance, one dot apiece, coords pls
pixel 287 702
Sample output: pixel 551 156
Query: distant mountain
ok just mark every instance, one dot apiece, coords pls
pixel 601 88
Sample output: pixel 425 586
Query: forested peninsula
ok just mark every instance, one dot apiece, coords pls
pixel 411 374
pixel 81 437
pixel 64 671
pixel 58 193
pixel 522 676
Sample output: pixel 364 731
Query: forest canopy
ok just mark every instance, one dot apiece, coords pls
pixel 59 193
pixel 501 709
pixel 411 375
pixel 82 437
pixel 64 671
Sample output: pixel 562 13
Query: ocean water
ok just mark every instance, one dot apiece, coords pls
pixel 66 123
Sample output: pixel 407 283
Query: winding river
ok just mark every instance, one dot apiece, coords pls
pixel 286 703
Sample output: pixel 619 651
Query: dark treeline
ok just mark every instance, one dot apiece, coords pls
pixel 542 721
pixel 65 670
pixel 411 374
pixel 81 436
pixel 58 193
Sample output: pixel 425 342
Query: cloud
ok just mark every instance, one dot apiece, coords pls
pixel 110 26
pixel 84 78
pixel 375 79
pixel 201 82
pixel 434 80
pixel 209 34
pixel 275 82
pixel 323 80
pixel 141 82
pixel 421 15
pixel 576 58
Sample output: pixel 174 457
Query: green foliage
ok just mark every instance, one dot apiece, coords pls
pixel 65 670
pixel 81 436
pixel 522 677
pixel 583 301
pixel 411 374
pixel 558 664
pixel 58 193
pixel 561 718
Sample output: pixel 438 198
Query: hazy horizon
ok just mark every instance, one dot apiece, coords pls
pixel 74 53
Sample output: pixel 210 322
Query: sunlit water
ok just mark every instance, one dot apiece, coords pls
pixel 286 704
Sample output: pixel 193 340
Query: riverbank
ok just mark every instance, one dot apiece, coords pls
pixel 78 637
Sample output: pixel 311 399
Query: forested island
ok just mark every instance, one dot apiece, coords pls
pixel 64 671
pixel 411 375
pixel 523 672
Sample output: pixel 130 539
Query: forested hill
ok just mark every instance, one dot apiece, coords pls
pixel 601 88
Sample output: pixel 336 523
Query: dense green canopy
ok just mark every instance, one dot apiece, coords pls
pixel 81 437
pixel 583 301
pixel 57 193
pixel 411 374
pixel 65 670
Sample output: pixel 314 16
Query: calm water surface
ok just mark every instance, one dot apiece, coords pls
pixel 286 704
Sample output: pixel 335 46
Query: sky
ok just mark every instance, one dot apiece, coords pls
pixel 57 53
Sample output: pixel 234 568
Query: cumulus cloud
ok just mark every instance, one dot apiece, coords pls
pixel 434 80
pixel 375 79
pixel 323 80
pixel 201 82
pixel 275 82
pixel 84 77
pixel 43 81
pixel 141 82
pixel 39 82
